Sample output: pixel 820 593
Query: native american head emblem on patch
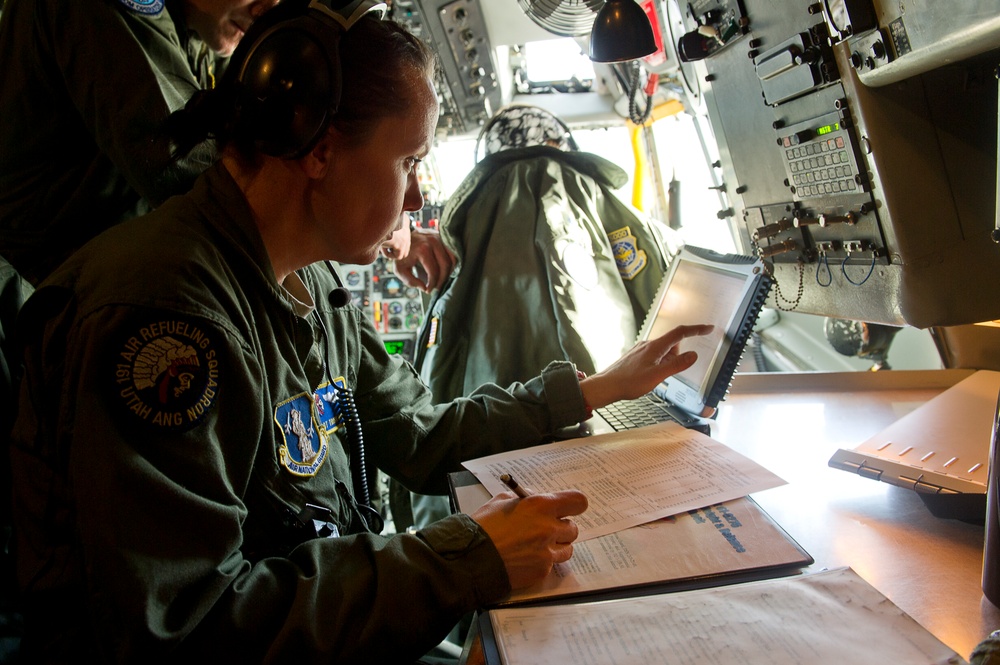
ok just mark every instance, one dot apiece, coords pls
pixel 166 373
pixel 629 258
pixel 306 423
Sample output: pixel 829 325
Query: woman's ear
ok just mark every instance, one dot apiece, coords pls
pixel 316 162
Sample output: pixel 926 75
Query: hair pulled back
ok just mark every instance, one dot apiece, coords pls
pixel 376 58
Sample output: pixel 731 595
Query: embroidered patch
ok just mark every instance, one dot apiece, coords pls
pixel 306 423
pixel 628 257
pixel 166 373
pixel 148 7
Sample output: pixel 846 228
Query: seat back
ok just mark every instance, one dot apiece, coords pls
pixel 14 290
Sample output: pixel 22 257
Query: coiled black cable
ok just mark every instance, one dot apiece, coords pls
pixel 359 470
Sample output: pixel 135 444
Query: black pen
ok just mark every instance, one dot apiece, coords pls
pixel 509 481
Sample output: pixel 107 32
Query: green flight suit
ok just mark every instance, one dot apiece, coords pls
pixel 550 265
pixel 86 87
pixel 177 415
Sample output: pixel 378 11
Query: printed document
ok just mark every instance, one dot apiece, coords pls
pixel 735 538
pixel 631 477
pixel 829 617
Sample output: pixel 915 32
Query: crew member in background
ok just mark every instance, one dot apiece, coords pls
pixel 551 264
pixel 195 381
pixel 85 90
pixel 419 257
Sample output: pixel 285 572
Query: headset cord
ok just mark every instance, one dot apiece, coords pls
pixel 356 442
pixel 359 469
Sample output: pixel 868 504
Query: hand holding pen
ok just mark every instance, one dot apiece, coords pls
pixel 531 532
pixel 514 486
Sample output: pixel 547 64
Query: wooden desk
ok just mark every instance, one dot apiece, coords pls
pixel 930 567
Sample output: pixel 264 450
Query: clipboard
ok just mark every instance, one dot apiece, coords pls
pixel 735 541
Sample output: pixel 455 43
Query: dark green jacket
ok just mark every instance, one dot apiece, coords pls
pixel 550 265
pixel 159 465
pixel 85 89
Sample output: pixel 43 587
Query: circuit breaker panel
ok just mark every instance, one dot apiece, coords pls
pixel 868 200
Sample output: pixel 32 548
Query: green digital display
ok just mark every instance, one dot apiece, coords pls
pixel 828 128
pixel 394 346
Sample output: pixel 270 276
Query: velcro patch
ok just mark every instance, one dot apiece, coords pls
pixel 147 7
pixel 306 423
pixel 629 258
pixel 165 373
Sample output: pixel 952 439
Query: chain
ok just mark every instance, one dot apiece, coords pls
pixel 779 296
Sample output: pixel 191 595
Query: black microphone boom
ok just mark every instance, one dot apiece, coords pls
pixel 340 297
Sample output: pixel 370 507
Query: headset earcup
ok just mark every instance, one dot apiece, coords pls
pixel 291 85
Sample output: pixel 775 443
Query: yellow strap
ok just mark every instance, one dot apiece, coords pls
pixel 639 178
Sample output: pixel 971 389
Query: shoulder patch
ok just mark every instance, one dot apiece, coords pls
pixel 629 258
pixel 146 7
pixel 306 422
pixel 164 373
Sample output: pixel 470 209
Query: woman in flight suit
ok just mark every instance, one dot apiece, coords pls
pixel 194 383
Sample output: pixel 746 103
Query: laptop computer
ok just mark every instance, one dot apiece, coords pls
pixel 701 286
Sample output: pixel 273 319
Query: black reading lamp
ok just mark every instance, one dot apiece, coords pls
pixel 621 32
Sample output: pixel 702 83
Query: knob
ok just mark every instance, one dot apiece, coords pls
pixel 878 50
pixel 692 46
pixel 802 136
pixel 857 60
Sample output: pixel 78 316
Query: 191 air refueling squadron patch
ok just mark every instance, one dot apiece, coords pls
pixel 165 373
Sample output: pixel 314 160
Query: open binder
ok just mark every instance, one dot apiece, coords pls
pixel 734 541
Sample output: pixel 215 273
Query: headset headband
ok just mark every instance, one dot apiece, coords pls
pixel 288 66
pixel 349 14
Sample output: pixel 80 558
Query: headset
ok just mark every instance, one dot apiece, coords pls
pixel 288 73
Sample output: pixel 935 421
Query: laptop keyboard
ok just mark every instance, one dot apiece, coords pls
pixel 629 414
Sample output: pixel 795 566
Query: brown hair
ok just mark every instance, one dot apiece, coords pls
pixel 376 59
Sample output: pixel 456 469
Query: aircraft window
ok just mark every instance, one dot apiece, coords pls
pixel 681 156
pixel 556 65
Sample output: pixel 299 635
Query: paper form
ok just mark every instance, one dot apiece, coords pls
pixel 631 477
pixel 731 538
pixel 829 617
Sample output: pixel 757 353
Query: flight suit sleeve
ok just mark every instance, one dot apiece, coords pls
pixel 419 442
pixel 125 73
pixel 162 428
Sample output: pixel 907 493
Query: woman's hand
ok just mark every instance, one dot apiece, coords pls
pixel 642 368
pixel 532 534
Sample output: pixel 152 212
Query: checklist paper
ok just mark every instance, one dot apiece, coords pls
pixel 829 617
pixel 631 477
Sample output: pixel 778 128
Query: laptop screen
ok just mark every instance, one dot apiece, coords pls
pixel 705 287
pixel 700 294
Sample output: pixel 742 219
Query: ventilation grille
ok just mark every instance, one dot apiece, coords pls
pixel 566 18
